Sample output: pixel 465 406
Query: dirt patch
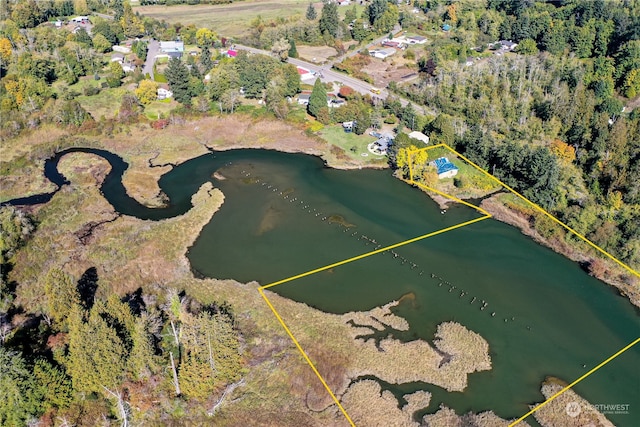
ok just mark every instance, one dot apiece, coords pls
pixel 316 54
pixel 393 69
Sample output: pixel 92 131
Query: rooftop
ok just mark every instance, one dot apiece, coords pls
pixel 444 165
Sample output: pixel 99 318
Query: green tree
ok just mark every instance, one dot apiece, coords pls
pixel 223 78
pixel 101 44
pixel 329 21
pixel 376 9
pixel 311 13
pixel 19 395
pixel 54 383
pixel 318 98
pixel 255 72
pixel 62 295
pixel 212 356
pixel 527 47
pixel 205 60
pixel 97 354
pixel 293 51
pixel 290 80
pixel 178 77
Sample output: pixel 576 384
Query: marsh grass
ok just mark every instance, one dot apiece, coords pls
pixel 555 413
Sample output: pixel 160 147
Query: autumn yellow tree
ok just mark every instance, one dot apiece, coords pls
pixel 147 91
pixel 563 151
pixel 5 50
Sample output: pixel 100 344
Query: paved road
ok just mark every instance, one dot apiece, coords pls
pixel 329 75
pixel 153 48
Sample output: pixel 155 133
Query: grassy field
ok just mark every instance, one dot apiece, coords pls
pixel 234 19
pixel 353 145
pixel 231 20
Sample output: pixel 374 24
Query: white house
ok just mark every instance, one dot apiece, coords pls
pixel 128 68
pixel 416 39
pixel 383 53
pixel 419 136
pixel 164 93
pixel 507 45
pixel 172 48
pixel 303 98
pixel 121 49
pixel 445 168
pixel 80 20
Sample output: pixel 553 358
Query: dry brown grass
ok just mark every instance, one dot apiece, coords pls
pixel 368 405
pixel 379 318
pixel 316 54
pixel 127 252
pixel 555 412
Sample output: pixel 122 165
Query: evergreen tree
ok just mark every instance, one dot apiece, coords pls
pixel 178 77
pixel 293 51
pixel 311 12
pixel 62 295
pixel 205 60
pixel 329 20
pixel 318 98
pixel 19 396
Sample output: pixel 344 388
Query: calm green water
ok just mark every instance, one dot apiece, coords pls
pixel 550 317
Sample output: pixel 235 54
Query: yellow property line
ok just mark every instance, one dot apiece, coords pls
pixel 368 254
pixel 295 341
pixel 486 215
pixel 542 210
pixel 618 353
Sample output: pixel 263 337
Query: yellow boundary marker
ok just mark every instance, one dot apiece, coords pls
pixel 486 215
pixel 618 353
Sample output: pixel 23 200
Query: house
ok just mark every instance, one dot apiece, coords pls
pixel 303 98
pixel 507 45
pixel 80 20
pixel 383 53
pixel 117 57
pixel 305 74
pixel 419 136
pixel 416 39
pixel 343 2
pixel 390 43
pixel 128 68
pixel 333 102
pixel 121 49
pixel 164 93
pixel 444 167
pixel 173 49
pixel 348 126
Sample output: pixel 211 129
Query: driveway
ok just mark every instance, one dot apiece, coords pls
pixel 153 49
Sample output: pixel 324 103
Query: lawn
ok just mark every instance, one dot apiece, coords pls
pixel 106 103
pixel 353 145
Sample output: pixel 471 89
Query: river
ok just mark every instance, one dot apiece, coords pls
pixel 285 214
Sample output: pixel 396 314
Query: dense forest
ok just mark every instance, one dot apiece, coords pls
pixel 552 120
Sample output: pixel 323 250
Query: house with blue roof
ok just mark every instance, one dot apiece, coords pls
pixel 445 168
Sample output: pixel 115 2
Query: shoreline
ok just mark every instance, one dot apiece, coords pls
pixel 504 214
